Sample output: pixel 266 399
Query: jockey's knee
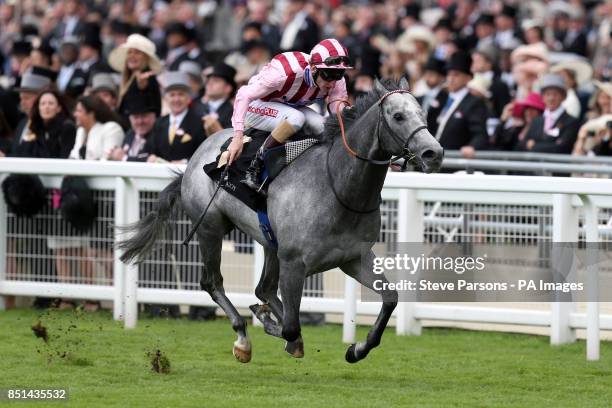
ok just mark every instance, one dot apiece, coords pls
pixel 296 119
pixel 316 124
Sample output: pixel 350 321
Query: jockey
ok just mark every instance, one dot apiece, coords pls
pixel 276 99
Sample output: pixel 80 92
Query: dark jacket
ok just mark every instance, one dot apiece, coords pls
pixel 55 141
pixel 567 128
pixel 307 37
pixel 225 112
pixel 434 109
pixel 500 95
pixel 466 125
pixel 141 155
pixel 184 145
pixel 77 84
pixel 151 93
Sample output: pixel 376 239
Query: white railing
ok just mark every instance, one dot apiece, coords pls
pixel 569 199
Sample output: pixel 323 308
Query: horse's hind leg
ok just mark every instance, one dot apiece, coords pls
pixel 212 282
pixel 291 282
pixel 266 291
pixel 366 277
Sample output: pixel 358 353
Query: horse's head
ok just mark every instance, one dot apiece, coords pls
pixel 403 128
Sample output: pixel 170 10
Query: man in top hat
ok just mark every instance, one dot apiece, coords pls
pixel 72 22
pixel 555 131
pixel 182 44
pixel 90 52
pixel 435 98
pixel 71 80
pixel 484 29
pixel 505 23
pixel 215 107
pixel 462 120
pixel 177 135
pixel 31 85
pixel 104 86
pixel 194 70
pixel 484 63
pixel 142 116
pixel 301 32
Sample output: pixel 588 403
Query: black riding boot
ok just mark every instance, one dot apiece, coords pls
pixel 251 178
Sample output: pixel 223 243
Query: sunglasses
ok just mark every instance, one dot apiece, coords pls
pixel 337 60
pixel 331 74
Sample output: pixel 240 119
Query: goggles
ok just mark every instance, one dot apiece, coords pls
pixel 337 60
pixel 330 74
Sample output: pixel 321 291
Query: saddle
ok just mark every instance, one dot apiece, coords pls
pixel 275 160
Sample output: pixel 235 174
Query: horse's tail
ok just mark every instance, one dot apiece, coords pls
pixel 145 232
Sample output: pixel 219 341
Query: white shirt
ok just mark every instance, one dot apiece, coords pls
pixel 215 105
pixel 63 78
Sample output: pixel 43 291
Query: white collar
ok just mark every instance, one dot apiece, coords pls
pixel 215 105
pixel 459 95
pixel 556 114
pixel 178 119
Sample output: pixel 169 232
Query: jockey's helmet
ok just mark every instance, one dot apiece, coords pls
pixel 330 54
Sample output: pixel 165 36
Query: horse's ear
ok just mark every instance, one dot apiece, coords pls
pixel 380 89
pixel 404 83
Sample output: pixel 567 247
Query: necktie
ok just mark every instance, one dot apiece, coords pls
pixel 548 122
pixel 447 105
pixel 172 131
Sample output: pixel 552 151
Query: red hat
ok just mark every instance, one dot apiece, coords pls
pixel 533 100
pixel 330 54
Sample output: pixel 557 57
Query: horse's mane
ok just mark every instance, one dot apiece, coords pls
pixel 362 104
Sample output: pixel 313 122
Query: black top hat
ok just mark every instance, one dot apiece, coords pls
pixel 28 30
pixel 226 72
pixel 508 11
pixel 485 18
pixel 21 47
pixel 138 104
pixel 121 27
pixel 46 48
pixel 444 22
pixel 179 28
pixel 24 194
pixel 46 72
pixel 91 36
pixel 252 44
pixel 460 61
pixel 78 206
pixel 436 65
pixel 252 25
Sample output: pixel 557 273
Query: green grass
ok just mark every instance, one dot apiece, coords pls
pixel 106 366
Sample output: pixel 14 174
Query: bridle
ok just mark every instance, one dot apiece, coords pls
pixel 406 153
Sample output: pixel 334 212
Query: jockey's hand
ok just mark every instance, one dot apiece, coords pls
pixel 235 148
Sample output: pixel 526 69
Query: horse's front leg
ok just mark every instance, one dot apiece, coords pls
pixel 366 276
pixel 291 284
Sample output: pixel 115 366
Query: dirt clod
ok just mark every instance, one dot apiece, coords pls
pixel 159 362
pixel 40 331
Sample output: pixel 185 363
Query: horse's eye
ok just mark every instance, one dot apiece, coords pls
pixel 398 116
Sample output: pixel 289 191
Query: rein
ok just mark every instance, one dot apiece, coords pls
pixel 407 154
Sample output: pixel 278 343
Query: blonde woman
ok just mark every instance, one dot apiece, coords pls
pixel 138 65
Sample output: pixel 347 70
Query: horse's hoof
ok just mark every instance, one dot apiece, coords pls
pixel 350 355
pixel 295 348
pixel 244 356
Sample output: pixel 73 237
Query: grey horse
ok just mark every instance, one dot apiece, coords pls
pixel 321 208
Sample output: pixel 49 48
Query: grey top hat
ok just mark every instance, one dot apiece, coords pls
pixel 33 83
pixel 70 40
pixel 103 82
pixel 192 68
pixel 176 80
pixel 552 81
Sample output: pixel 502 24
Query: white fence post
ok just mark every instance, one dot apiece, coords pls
pixel 349 320
pixel 3 243
pixel 592 279
pixel 565 229
pixel 118 266
pixel 410 228
pixel 132 210
pixel 258 264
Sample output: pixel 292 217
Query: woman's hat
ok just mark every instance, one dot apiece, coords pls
pixel 533 100
pixel 78 206
pixel 583 71
pixel 24 194
pixel 480 84
pixel 405 42
pixel 525 52
pixel 605 87
pixel 117 57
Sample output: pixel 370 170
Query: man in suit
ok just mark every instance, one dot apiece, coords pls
pixel 177 135
pixel 462 120
pixel 555 131
pixel 215 107
pixel 71 79
pixel 182 45
pixel 484 61
pixel 142 116
pixel 301 32
pixel 91 61
pixel 435 98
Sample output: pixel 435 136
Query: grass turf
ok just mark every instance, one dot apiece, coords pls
pixel 104 365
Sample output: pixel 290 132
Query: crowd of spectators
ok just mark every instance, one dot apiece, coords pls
pixel 149 80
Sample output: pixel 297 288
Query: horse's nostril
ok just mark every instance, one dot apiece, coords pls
pixel 428 155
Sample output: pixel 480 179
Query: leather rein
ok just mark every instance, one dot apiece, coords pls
pixel 407 154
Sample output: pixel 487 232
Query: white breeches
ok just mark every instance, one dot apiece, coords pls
pixel 267 115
